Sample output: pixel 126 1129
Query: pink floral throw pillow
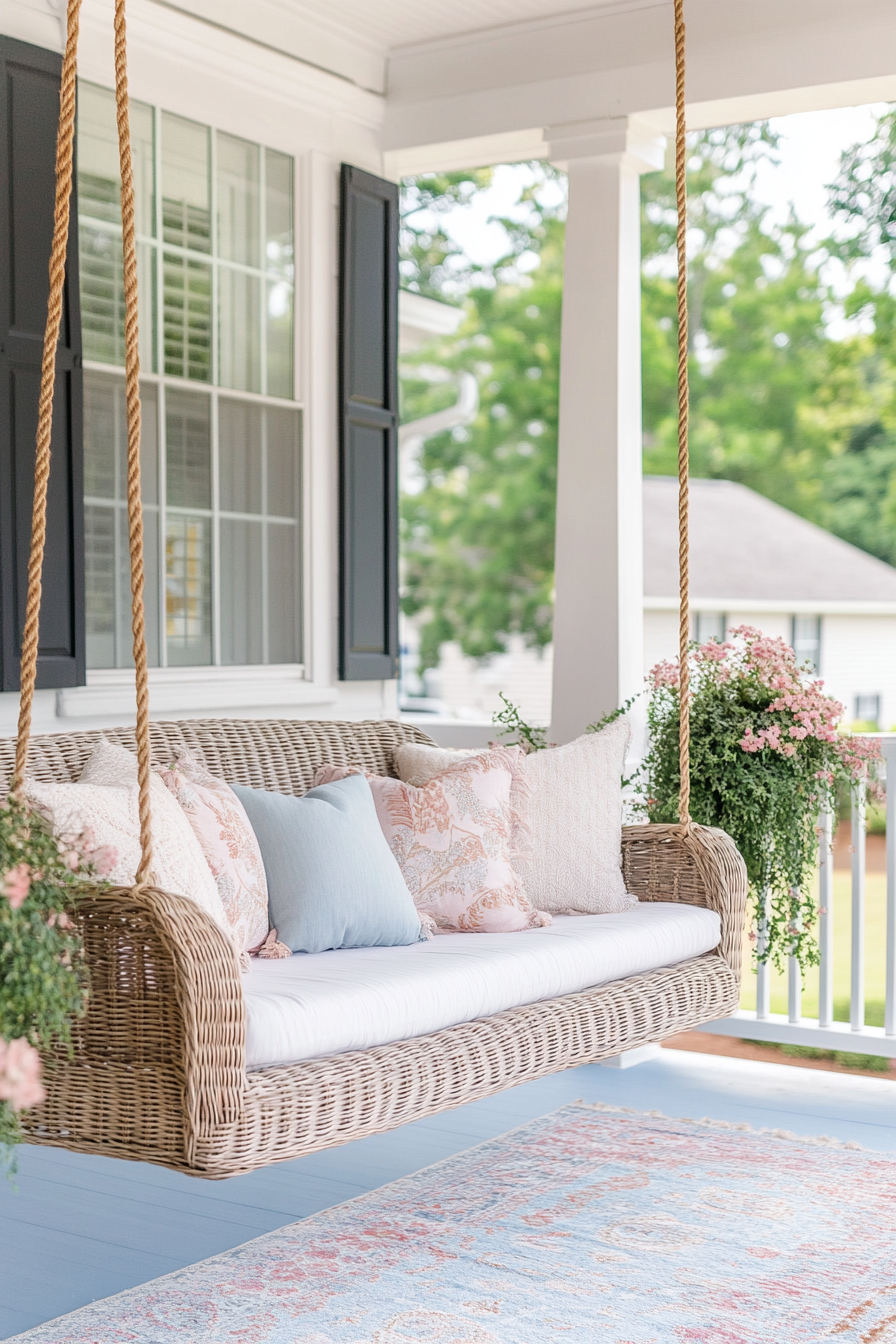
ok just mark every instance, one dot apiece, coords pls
pixel 228 842
pixel 452 840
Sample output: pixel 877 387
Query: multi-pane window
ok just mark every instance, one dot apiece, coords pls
pixel 806 640
pixel 711 625
pixel 221 432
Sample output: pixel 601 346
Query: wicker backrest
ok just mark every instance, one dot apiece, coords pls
pixel 277 754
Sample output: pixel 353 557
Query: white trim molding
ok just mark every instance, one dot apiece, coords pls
pixel 796 606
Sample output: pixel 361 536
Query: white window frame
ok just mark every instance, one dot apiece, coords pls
pixel 215 685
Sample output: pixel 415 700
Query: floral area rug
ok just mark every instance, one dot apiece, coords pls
pixel 591 1224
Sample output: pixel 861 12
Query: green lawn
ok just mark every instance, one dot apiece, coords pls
pixel 875 966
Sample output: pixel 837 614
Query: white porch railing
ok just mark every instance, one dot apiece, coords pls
pixel 823 1032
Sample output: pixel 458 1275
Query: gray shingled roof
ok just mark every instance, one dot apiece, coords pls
pixel 745 547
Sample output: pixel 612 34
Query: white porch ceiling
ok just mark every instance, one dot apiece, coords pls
pixel 477 80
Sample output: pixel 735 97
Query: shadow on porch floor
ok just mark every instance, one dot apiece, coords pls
pixel 77 1228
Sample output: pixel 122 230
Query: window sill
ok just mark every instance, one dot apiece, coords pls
pixel 187 689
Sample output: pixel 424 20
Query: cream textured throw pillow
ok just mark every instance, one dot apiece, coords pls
pixel 105 802
pixel 574 816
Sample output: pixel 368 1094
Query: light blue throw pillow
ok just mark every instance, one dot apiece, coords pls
pixel 332 878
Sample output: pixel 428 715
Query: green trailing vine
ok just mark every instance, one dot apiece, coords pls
pixel 766 757
pixel 510 723
pixel 43 978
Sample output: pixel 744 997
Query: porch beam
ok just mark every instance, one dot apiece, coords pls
pixel 598 613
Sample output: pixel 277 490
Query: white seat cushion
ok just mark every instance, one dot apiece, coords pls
pixel 323 1003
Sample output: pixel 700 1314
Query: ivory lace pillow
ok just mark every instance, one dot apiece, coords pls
pixel 453 842
pixel 572 863
pixel 104 800
pixel 228 842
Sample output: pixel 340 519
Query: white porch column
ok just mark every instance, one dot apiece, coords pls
pixel 598 614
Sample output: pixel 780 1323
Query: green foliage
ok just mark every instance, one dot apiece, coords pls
pixel 511 724
pixel 478 536
pixel 776 403
pixel 43 979
pixel 765 758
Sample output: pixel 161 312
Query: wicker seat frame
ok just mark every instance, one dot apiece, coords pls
pixel 157 1069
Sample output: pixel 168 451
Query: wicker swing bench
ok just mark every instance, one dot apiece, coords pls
pixel 157 1066
pixel 157 1072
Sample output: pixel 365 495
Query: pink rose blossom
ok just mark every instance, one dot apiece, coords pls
pixel 20 1083
pixel 17 884
pixel 102 859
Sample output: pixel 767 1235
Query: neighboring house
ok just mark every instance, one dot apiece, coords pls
pixel 751 563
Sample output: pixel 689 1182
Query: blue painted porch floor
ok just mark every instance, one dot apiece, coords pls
pixel 75 1228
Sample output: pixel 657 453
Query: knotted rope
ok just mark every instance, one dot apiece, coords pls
pixel 64 160
pixel 684 618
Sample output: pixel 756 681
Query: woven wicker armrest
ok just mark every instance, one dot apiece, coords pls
pixel 163 1038
pixel 703 867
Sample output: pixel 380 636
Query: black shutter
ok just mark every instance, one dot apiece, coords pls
pixel 368 445
pixel 29 111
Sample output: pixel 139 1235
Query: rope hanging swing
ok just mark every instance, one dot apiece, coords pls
pixel 159 1070
pixel 64 166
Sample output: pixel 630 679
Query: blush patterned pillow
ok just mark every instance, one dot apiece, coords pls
pixel 105 801
pixel 452 840
pixel 228 842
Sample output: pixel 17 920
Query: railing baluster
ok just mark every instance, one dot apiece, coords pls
pixel 763 985
pixel 857 975
pixel 889 752
pixel 826 920
pixel 794 991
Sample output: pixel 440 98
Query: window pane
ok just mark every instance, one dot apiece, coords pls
pixel 283 462
pixel 188 432
pixel 239 456
pixel 102 297
pixel 188 318
pixel 186 209
pixel 238 200
pixel 106 439
pixel 99 575
pixel 99 178
pixel 278 213
pixel 711 625
pixel 807 640
pixel 239 302
pixel 242 593
pixel 279 336
pixel 188 608
pixel 284 639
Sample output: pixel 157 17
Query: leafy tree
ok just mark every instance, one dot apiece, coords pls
pixel 478 537
pixel 775 403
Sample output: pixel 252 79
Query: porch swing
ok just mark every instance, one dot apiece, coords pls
pixel 157 1070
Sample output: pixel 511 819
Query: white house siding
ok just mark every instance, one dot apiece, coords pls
pixel 858 657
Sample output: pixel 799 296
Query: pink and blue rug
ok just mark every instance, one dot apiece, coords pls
pixel 591 1224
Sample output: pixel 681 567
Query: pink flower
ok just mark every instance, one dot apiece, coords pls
pixel 713 652
pixel 663 674
pixel 103 859
pixel 20 1083
pixel 17 884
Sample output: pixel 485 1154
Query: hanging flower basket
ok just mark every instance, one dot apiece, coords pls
pixel 43 980
pixel 767 756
